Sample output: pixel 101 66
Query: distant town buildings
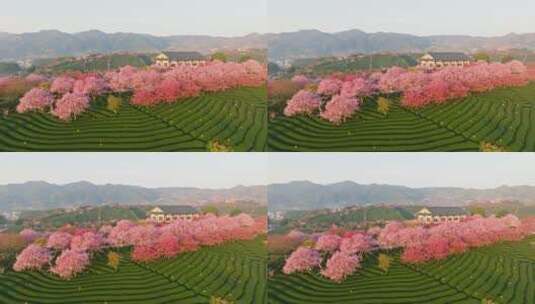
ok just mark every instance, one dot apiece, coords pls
pixel 436 215
pixel 174 59
pixel 276 216
pixel 166 214
pixel 437 60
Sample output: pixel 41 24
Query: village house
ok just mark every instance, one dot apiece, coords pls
pixel 174 59
pixel 166 214
pixel 436 215
pixel 436 60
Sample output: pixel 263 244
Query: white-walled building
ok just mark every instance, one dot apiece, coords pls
pixel 436 215
pixel 437 60
pixel 173 59
pixel 166 214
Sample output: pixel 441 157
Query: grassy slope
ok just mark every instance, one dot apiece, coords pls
pixel 504 273
pixel 504 117
pixel 237 115
pixel 234 271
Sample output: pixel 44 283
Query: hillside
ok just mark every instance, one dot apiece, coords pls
pixel 298 195
pixel 291 45
pixel 41 195
pixel 314 43
pixel 53 43
pixel 306 195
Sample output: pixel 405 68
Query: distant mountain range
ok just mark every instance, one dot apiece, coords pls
pixel 53 43
pixel 41 195
pixel 302 195
pixel 291 45
pixel 289 196
pixel 314 43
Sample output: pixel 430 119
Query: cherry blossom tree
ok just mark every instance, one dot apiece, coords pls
pixel 328 242
pixel 33 257
pixel 358 243
pixel 339 108
pixel 70 106
pixel 329 87
pixel 29 235
pixel 304 102
pixel 340 265
pixel 89 241
pixel 62 85
pixel 70 263
pixel 300 80
pixel 35 99
pixel 59 240
pixel 301 260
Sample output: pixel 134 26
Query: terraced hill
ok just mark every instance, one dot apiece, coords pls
pixel 503 273
pixel 505 117
pixel 237 116
pixel 234 271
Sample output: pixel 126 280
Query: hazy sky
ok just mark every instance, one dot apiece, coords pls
pixel 159 17
pixel 477 170
pixel 216 170
pixel 420 17
pixel 206 170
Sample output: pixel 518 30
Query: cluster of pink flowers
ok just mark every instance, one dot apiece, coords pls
pixel 70 263
pixel 421 244
pixel 304 102
pixel 339 96
pixel 70 95
pixel 33 257
pixel 343 251
pixel 35 99
pixel 150 241
pixel 345 255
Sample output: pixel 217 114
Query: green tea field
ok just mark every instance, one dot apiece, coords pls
pixel 235 117
pixel 504 273
pixel 503 117
pixel 235 272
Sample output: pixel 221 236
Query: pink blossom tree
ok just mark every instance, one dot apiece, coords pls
pixel 62 85
pixel 304 102
pixel 35 99
pixel 59 240
pixel 341 265
pixel 70 106
pixel 339 108
pixel 70 263
pixel 302 259
pixel 29 235
pixel 358 243
pixel 329 87
pixel 328 242
pixel 33 257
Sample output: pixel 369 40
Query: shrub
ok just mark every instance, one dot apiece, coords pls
pixel 383 262
pixel 114 259
pixel 114 103
pixel 383 105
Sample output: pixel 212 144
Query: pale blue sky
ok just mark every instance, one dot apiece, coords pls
pixel 158 17
pixel 420 17
pixel 205 170
pixel 477 170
